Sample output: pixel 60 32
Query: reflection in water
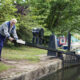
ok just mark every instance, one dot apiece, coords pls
pixel 66 74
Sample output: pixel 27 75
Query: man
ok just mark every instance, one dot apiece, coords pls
pixel 35 39
pixel 6 29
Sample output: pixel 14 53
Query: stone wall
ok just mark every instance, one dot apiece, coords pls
pixel 41 70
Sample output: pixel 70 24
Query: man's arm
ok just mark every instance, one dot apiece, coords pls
pixel 6 33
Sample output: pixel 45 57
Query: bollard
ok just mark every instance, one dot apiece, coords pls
pixel 69 41
pixel 52 44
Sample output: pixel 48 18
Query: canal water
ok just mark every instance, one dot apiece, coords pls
pixel 65 74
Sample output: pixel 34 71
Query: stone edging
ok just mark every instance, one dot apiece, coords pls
pixel 40 71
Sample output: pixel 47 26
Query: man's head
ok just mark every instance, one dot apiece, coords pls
pixel 13 21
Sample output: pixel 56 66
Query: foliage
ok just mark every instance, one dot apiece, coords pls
pixel 57 16
pixel 7 10
pixel 40 10
pixel 23 32
pixel 64 15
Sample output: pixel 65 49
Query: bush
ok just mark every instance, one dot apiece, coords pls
pixel 24 33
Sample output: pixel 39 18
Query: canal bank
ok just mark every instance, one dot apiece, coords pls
pixel 24 70
pixel 35 71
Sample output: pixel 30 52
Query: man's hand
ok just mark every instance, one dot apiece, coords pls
pixel 11 39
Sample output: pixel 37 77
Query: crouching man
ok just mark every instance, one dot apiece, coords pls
pixel 6 29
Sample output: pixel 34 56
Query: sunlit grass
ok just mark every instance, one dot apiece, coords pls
pixel 4 67
pixel 18 53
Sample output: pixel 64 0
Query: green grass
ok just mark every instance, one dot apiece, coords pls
pixel 4 67
pixel 19 53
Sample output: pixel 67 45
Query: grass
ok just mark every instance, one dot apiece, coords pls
pixel 4 67
pixel 18 53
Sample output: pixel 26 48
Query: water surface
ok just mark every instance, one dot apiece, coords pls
pixel 66 74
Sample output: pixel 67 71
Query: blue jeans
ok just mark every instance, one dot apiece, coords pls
pixel 35 39
pixel 2 38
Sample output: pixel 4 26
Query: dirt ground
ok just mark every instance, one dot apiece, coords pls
pixel 21 66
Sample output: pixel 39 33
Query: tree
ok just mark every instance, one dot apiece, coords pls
pixel 56 15
pixel 40 10
pixel 64 15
